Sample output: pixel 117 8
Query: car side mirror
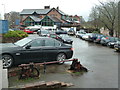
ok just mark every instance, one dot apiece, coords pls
pixel 28 46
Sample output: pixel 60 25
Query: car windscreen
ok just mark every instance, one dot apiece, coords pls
pixel 22 42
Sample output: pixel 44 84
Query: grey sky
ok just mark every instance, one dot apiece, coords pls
pixel 70 7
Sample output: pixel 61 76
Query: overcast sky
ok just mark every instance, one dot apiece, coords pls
pixel 70 7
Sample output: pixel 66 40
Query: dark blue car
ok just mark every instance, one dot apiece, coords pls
pixel 93 37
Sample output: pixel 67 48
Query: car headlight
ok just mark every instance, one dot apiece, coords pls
pixel 112 43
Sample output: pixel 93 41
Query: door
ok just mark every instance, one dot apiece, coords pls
pixel 49 50
pixel 34 52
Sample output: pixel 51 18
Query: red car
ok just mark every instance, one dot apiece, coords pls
pixel 28 31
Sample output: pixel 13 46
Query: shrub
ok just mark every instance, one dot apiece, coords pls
pixel 16 33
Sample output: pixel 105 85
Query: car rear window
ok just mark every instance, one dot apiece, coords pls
pixel 51 42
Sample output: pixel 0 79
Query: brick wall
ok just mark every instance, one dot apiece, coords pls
pixel 54 13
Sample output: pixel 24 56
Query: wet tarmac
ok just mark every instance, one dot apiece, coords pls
pixel 101 61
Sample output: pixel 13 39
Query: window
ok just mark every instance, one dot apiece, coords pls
pixel 47 22
pixel 23 42
pixel 57 43
pixel 37 43
pixel 49 42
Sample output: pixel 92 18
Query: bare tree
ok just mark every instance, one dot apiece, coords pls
pixel 93 17
pixel 12 17
pixel 118 19
pixel 106 14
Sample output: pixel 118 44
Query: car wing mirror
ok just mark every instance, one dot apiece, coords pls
pixel 28 46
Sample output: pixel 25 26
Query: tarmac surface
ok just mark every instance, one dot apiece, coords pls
pixel 101 61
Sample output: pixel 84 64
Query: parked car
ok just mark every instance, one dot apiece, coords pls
pixel 71 32
pixel 29 31
pixel 93 37
pixel 113 42
pixel 43 32
pixel 79 34
pixel 106 40
pixel 55 36
pixel 117 46
pixel 66 39
pixel 86 36
pixel 61 32
pixel 98 39
pixel 35 49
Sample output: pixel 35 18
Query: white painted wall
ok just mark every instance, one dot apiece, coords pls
pixel 49 27
pixel 3 77
pixel 66 29
pixel 0 74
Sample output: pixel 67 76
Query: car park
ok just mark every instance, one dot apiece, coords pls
pixel 35 49
pixel 66 39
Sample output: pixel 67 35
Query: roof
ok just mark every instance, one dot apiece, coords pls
pixel 61 12
pixel 39 11
pixel 55 19
pixel 36 19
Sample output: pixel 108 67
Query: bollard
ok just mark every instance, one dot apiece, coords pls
pixel 44 67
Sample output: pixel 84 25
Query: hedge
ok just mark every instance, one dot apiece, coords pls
pixel 13 36
pixel 16 33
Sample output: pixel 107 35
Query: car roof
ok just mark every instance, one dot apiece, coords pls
pixel 38 37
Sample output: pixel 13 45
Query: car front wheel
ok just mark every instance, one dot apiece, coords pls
pixel 7 60
pixel 61 57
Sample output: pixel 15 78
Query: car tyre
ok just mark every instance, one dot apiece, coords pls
pixel 7 60
pixel 61 57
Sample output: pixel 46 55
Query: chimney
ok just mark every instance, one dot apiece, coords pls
pixel 46 7
pixel 58 8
